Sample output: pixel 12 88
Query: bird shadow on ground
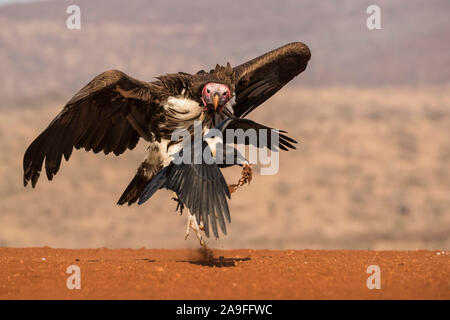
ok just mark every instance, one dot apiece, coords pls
pixel 146 259
pixel 205 257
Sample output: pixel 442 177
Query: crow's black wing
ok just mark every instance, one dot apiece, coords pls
pixel 201 187
pixel 255 138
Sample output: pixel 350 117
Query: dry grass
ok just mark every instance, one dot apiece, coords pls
pixel 371 171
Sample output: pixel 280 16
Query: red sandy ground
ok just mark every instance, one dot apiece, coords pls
pixel 40 273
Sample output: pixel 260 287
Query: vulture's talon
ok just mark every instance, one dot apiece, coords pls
pixel 246 175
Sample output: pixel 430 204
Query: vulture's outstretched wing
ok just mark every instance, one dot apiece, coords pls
pixel 109 114
pixel 284 142
pixel 258 79
pixel 201 187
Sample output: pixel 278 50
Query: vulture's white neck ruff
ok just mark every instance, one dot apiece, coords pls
pixel 183 108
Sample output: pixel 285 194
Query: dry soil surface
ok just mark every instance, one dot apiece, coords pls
pixel 40 273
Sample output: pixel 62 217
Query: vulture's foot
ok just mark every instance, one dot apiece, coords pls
pixel 192 224
pixel 246 177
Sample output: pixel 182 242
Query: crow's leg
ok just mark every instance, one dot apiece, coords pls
pixel 192 224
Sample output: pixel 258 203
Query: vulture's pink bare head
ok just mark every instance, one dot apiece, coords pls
pixel 215 96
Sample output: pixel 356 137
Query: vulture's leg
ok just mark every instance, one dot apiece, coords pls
pixel 192 224
pixel 180 204
pixel 246 177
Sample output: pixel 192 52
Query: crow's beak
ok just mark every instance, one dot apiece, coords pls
pixel 216 99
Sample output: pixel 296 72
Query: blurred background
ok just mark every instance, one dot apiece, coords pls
pixel 371 113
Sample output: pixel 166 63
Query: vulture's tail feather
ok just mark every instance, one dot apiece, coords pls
pixel 146 171
pixel 154 185
pixel 134 189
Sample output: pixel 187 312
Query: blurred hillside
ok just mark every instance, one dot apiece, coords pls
pixel 41 59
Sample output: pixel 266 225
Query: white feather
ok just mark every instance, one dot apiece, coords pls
pixel 183 105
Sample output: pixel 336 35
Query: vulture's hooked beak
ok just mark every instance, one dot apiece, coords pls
pixel 216 100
